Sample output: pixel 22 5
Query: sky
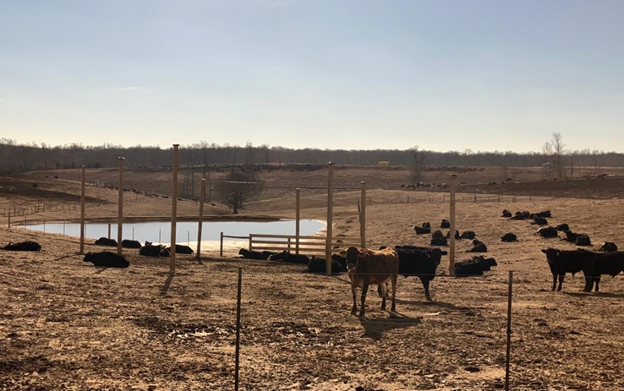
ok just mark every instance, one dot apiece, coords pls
pixel 445 75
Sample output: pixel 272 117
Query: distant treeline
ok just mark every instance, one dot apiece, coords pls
pixel 16 157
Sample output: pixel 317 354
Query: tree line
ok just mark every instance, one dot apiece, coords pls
pixel 16 157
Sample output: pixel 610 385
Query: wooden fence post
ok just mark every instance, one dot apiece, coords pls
pixel 452 233
pixel 508 356
pixel 330 215
pixel 297 218
pixel 363 215
pixel 174 208
pixel 221 245
pixel 238 327
pixel 201 216
pixel 120 206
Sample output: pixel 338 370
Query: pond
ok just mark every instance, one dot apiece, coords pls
pixel 160 231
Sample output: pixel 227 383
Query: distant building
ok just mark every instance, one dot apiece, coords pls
pixel 384 163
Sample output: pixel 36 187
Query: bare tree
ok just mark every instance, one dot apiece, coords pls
pixel 418 163
pixel 556 148
pixel 238 188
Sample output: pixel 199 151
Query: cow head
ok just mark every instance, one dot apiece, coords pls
pixel 353 255
pixel 551 253
pixel 87 258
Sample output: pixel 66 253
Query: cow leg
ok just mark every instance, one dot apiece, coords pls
pixel 393 281
pixel 354 308
pixel 425 284
pixel 589 283
pixel 384 293
pixel 364 290
pixel 561 276
pixel 554 282
pixel 597 283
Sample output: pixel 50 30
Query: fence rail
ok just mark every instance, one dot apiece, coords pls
pixel 311 245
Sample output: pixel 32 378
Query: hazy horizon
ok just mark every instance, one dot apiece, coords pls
pixel 447 75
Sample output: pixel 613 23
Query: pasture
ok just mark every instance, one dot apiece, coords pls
pixel 67 325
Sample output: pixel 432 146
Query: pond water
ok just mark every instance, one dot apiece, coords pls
pixel 160 231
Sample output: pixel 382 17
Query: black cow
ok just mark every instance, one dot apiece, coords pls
pixel 426 225
pixel 611 263
pixel 22 246
pixel 150 250
pixel 318 265
pixel 506 213
pixel 285 256
pixel 473 267
pixel 421 231
pixel 478 247
pixel 521 216
pixel 445 224
pixel 437 234
pixel 570 236
pixel 468 235
pixel 457 235
pixel 106 259
pixel 421 262
pixel 509 237
pixel 106 242
pixel 260 255
pixel 539 221
pixel 582 240
pixel 563 227
pixel 130 243
pixel 562 262
pixel 545 213
pixel 609 247
pixel 439 241
pixel 182 249
pixel 547 232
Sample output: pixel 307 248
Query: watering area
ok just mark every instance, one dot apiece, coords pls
pixel 186 231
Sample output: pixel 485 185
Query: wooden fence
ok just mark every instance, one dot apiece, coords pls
pixel 309 245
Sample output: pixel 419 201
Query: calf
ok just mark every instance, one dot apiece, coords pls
pixel 562 262
pixel 468 235
pixel 260 255
pixel 611 263
pixel 366 267
pixel 421 262
pixel 478 247
pixel 547 232
pixel 22 246
pixel 285 256
pixel 609 247
pixel 130 243
pixel 106 259
pixel 509 237
pixel 106 242
pixel 150 250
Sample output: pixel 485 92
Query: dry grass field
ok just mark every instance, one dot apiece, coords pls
pixel 67 325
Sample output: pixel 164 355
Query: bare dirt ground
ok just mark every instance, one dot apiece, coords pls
pixel 67 325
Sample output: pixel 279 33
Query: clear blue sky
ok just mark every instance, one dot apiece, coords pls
pixel 444 75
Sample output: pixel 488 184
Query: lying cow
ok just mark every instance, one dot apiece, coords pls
pixel 608 247
pixel 439 241
pixel 23 246
pixel 468 235
pixel 582 240
pixel 539 221
pixel 506 213
pixel 149 250
pixel 473 267
pixel 366 267
pixel 426 225
pixel 547 232
pixel 260 255
pixel 182 249
pixel 421 231
pixel 521 216
pixel 285 256
pixel 445 224
pixel 478 247
pixel 130 243
pixel 563 227
pixel 457 235
pixel 106 259
pixel 319 265
pixel 106 242
pixel 610 263
pixel 421 262
pixel 509 237
pixel 562 262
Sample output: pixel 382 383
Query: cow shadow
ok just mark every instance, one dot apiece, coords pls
pixel 437 304
pixel 595 294
pixel 165 287
pixel 375 328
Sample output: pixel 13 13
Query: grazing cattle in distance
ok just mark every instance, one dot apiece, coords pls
pixel 539 221
pixel 563 227
pixel 421 262
pixel 582 240
pixel 468 235
pixel 421 231
pixel 506 213
pixel 509 237
pixel 149 250
pixel 610 263
pixel 260 255
pixel 366 267
pixel 445 224
pixel 478 247
pixel 106 259
pixel 285 256
pixel 547 232
pixel 562 262
pixel 23 246
pixel 182 249
pixel 130 243
pixel 106 242
pixel 608 247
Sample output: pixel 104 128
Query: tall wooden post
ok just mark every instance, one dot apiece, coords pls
pixel 174 208
pixel 120 206
pixel 330 216
pixel 452 249
pixel 82 210
pixel 508 355
pixel 363 215
pixel 201 216
pixel 297 218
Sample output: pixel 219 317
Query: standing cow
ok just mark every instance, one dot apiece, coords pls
pixel 366 267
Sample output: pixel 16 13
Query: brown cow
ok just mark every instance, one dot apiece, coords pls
pixel 366 267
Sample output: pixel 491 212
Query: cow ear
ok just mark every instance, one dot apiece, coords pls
pixel 361 254
pixel 544 251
